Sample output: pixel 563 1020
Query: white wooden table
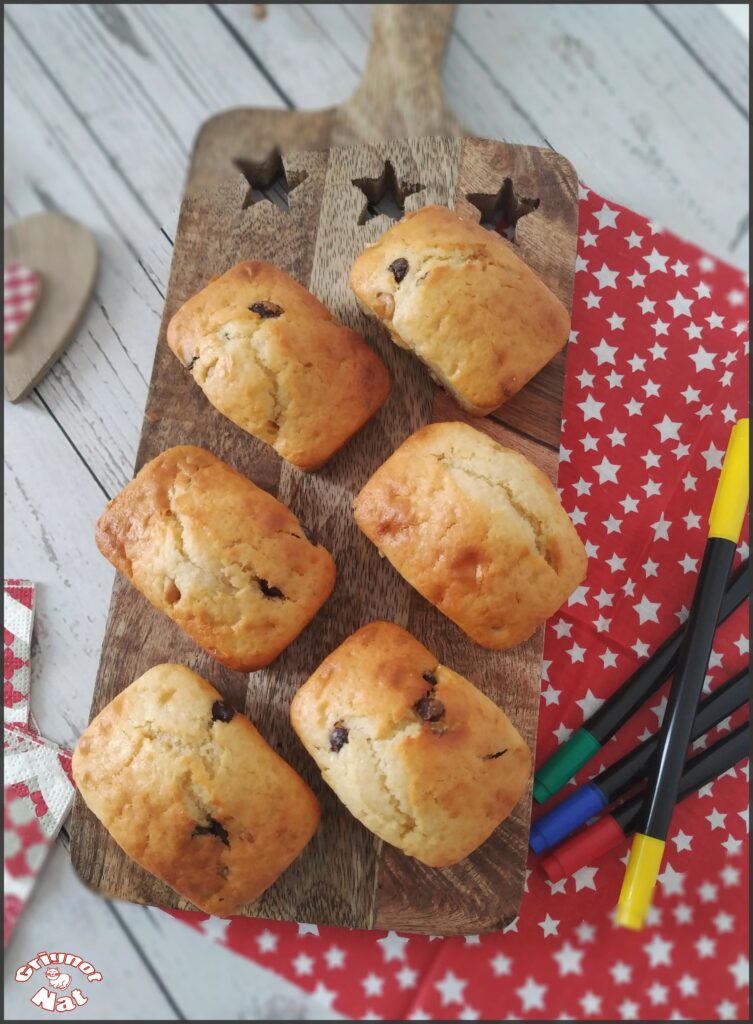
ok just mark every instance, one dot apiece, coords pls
pixel 102 103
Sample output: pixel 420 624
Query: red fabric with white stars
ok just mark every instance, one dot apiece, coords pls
pixel 656 376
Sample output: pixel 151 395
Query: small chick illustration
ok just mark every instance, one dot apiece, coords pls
pixel 56 979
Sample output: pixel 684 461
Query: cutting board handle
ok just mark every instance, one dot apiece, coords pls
pixel 400 94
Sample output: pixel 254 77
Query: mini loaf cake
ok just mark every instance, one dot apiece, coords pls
pixel 415 751
pixel 460 298
pixel 271 358
pixel 191 791
pixel 230 564
pixel 476 529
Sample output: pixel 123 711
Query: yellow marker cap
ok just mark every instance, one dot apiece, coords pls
pixel 731 498
pixel 646 855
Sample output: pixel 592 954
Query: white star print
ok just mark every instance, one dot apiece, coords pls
pixel 629 504
pixel 673 882
pixel 657 993
pixel 501 964
pixel 585 378
pixel 652 459
pixel 680 305
pixel 324 995
pixel 651 487
pixel 656 262
pixel 727 1010
pixel 602 624
pixel 612 524
pixel 216 928
pixel 608 658
pixel 568 959
pixel 660 327
pixel 308 929
pixel 705 946
pixel 590 444
pixel 682 615
pixel 658 351
pixel 636 363
pixel 588 238
pixel 688 564
pixel 393 946
pixel 724 923
pixel 616 322
pixel 584 877
pixel 703 360
pixel 614 380
pixel 580 264
pixel 702 290
pixel 604 353
pixel 562 628
pixel 689 482
pixel 682 841
pixel 591 1003
pixel 637 280
pixel 468 1013
pixel 707 892
pixel 628 588
pixel 732 846
pixel 550 695
pixel 603 599
pixel 592 300
pixel 576 653
pixel 659 710
pixel 744 815
pixel 641 650
pixel 606 277
pixel 730 875
pixel 668 429
pixel 688 985
pixel 683 913
pixel 729 414
pixel 303 964
pixel 578 596
pixel 661 528
pixel 646 610
pixel 617 438
pixel 606 217
pixel 714 320
pixel 577 517
pixel 556 887
pixel 372 984
pixel 615 563
pixel 651 388
pixel 681 450
pixel 679 268
pixel 621 972
pixel 690 394
pixel 450 988
pixel 607 471
pixel 650 567
pixel 628 1009
pixel 713 457
pixel 740 971
pixel 531 994
pixel 736 297
pixel 588 705
pixel 742 644
pixel 591 409
pixel 703 412
pixel 585 931
pixel 633 407
pixel 335 957
pixel 266 941
pixel 633 240
pixel 549 926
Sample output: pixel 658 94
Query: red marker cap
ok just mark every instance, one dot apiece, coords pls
pixel 585 847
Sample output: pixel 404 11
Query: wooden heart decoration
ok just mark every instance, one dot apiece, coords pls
pixel 64 256
pixel 21 290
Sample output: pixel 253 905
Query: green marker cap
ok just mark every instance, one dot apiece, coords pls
pixel 566 761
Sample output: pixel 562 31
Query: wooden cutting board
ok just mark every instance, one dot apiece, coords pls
pixel 346 876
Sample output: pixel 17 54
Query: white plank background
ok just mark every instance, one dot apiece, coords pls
pixel 102 102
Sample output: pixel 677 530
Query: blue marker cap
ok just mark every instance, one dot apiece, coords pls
pixel 566 817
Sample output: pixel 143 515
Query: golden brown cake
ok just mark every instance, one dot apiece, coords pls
pixel 271 358
pixel 230 564
pixel 477 529
pixel 415 751
pixel 460 298
pixel 191 791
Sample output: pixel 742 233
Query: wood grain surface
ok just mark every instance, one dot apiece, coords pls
pixel 345 876
pixel 65 256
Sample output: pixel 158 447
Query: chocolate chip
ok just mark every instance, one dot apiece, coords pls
pixel 212 829
pixel 266 310
pixel 269 591
pixel 430 678
pixel 338 738
pixel 399 269
pixel 222 712
pixel 493 757
pixel 429 709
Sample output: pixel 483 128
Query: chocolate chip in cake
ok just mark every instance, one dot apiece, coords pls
pixel 399 268
pixel 493 757
pixel 269 591
pixel 429 709
pixel 430 678
pixel 266 310
pixel 222 712
pixel 338 737
pixel 212 829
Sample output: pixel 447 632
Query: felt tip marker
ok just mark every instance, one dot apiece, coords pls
pixel 616 780
pixel 725 524
pixel 587 741
pixel 609 832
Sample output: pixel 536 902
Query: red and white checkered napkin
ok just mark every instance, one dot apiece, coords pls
pixel 22 287
pixel 656 376
pixel 36 773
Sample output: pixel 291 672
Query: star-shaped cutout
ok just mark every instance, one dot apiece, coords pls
pixel 633 240
pixel 682 841
pixel 606 217
pixel 688 564
pixel 607 471
pixel 693 331
pixel 691 394
pixel 713 457
pixel 637 280
pixel 549 926
pixel 502 210
pixel 269 181
pixel 656 262
pixel 668 430
pixel 604 353
pixel 608 658
pixel 592 300
pixel 385 194
pixel 607 278
pixel 680 305
pixel 714 320
pixel 646 610
pixel 614 380
pixel 616 322
pixel 661 528
pixel 617 437
pixel 591 408
pixel 584 878
pixel 703 360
